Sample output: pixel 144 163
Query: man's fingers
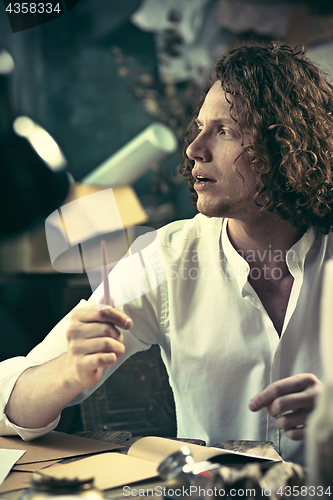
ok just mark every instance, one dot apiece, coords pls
pixel 289 401
pixel 293 384
pixel 98 345
pixel 292 402
pixel 293 424
pixel 296 434
pixel 94 342
pixel 291 420
pixel 89 369
pixel 95 361
pixel 92 330
pixel 106 315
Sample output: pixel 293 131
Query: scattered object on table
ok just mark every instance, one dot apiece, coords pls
pixel 43 486
pixel 7 459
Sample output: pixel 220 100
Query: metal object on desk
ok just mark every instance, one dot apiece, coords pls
pixel 173 465
pixel 180 470
pixel 46 487
pixel 203 480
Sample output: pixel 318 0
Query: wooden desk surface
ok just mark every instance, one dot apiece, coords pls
pixel 282 473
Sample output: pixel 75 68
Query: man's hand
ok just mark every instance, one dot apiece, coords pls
pixel 94 342
pixel 289 401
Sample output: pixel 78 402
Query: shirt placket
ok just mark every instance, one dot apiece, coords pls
pixel 295 260
pixel 296 268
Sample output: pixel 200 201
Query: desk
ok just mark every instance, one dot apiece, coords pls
pixel 254 471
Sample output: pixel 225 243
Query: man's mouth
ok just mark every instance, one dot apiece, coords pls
pixel 201 179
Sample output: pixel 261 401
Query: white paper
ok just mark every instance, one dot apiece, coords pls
pixel 326 322
pixel 94 214
pixel 7 459
pixel 85 220
pixel 131 161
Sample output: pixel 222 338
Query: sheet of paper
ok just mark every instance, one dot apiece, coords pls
pixel 109 470
pixel 32 467
pixel 55 445
pixel 16 481
pixel 7 459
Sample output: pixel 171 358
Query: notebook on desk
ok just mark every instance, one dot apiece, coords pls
pixel 112 470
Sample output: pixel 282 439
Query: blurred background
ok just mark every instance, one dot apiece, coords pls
pixel 99 75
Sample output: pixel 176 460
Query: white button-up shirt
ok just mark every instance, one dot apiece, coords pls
pixel 217 341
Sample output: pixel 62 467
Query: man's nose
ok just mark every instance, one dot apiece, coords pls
pixel 198 149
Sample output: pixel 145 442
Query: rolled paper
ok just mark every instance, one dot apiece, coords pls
pixel 134 159
pixel 326 322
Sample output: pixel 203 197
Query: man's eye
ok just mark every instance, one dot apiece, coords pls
pixel 223 131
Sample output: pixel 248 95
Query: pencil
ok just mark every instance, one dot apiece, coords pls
pixel 105 276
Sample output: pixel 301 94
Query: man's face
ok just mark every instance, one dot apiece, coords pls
pixel 217 152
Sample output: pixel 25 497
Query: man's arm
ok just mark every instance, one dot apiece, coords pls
pixel 94 342
pixel 289 401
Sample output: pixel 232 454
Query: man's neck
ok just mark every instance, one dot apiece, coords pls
pixel 265 241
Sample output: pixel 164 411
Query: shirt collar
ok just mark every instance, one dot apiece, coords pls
pixel 295 255
pixel 240 268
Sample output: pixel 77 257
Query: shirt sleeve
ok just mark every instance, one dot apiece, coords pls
pixel 140 299
pixel 10 370
pixel 8 428
pixel 52 346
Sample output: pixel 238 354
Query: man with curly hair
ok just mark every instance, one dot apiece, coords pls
pixel 237 314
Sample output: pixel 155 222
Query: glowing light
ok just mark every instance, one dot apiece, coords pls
pixel 44 145
pixel 6 62
pixel 23 126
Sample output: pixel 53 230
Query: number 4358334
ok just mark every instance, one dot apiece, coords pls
pixel 33 8
pixel 304 491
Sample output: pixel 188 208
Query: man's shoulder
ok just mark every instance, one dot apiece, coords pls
pixel 179 232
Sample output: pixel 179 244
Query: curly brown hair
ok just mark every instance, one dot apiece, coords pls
pixel 285 106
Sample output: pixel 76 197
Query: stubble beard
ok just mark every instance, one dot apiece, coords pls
pixel 221 209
